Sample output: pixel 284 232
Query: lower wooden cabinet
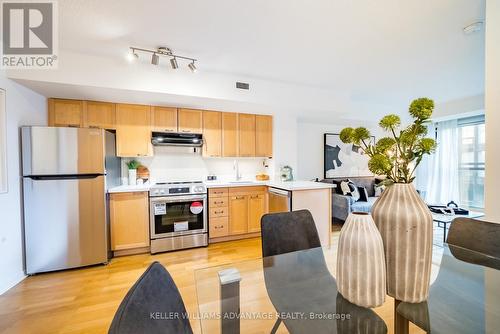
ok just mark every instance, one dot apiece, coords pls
pixel 219 227
pixel 257 207
pixel 129 215
pixel 236 212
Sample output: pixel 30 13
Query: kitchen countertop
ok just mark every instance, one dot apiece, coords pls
pixel 290 186
pixel 129 189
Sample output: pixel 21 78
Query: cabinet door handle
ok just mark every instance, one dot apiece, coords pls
pixel 221 202
pixel 239 197
pixel 217 212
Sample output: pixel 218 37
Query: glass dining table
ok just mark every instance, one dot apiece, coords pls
pixel 297 293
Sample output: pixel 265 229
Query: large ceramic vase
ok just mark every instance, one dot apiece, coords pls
pixel 360 262
pixel 405 224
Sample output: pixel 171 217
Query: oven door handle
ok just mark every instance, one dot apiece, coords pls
pixel 177 199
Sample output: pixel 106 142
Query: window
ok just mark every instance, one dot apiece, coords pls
pixel 471 134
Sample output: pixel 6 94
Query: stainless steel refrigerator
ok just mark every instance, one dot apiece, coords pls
pixel 64 192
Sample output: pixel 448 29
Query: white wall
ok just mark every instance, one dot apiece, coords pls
pixel 492 106
pixel 24 107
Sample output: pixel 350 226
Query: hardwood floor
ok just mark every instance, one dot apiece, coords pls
pixel 85 300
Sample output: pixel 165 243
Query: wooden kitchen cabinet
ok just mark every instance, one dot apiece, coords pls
pixel 212 134
pixel 100 115
pixel 218 215
pixel 257 207
pixel 238 214
pixel 164 119
pixel 264 136
pixel 190 120
pixel 230 146
pixel 129 216
pixel 246 133
pixel 218 227
pixel 64 112
pixel 133 130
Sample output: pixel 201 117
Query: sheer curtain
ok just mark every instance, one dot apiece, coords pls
pixel 437 176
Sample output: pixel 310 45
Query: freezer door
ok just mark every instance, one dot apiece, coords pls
pixel 62 151
pixel 64 223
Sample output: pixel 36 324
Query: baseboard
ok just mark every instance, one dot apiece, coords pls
pixel 234 237
pixel 12 282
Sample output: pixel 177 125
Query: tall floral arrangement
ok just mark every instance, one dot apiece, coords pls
pixel 397 155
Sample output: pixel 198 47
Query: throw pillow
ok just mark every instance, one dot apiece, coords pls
pixel 344 187
pixel 338 188
pixel 379 189
pixel 354 191
pixel 363 194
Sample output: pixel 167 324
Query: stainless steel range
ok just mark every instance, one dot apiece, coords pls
pixel 178 216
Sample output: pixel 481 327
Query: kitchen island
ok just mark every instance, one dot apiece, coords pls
pixel 295 195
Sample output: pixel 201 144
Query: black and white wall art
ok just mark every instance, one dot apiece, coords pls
pixel 344 160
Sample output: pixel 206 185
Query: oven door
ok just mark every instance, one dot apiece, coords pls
pixel 178 215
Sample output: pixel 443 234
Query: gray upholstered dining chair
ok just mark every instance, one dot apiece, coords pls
pixel 148 305
pixel 478 235
pixel 288 232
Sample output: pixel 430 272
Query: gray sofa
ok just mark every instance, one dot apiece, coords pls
pixel 343 205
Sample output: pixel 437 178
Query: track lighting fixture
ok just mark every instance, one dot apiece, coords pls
pixel 155 59
pixel 162 51
pixel 173 63
pixel 192 67
pixel 132 56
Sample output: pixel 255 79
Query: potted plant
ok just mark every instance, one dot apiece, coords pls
pixel 132 171
pixel 402 217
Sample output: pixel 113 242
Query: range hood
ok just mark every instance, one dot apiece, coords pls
pixel 177 139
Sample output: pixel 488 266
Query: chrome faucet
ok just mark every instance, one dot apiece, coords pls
pixel 236 169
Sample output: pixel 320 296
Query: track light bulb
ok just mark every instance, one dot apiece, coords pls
pixel 192 67
pixel 132 56
pixel 155 59
pixel 173 63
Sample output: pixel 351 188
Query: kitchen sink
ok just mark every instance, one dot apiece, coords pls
pixel 241 182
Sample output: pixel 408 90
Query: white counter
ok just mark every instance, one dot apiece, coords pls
pixel 129 189
pixel 300 185
pixel 290 186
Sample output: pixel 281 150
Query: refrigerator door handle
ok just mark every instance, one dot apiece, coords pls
pixel 63 177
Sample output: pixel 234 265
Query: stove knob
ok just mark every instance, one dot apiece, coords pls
pixel 199 189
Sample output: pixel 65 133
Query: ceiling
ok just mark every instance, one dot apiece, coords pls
pixel 383 52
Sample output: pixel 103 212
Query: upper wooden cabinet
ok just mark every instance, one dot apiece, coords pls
pixel 246 131
pixel 225 134
pixel 189 120
pixel 264 136
pixel 164 119
pixel 230 134
pixel 129 218
pixel 66 112
pixel 100 115
pixel 212 134
pixel 133 130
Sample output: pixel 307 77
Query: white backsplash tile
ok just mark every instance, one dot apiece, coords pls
pixel 181 164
